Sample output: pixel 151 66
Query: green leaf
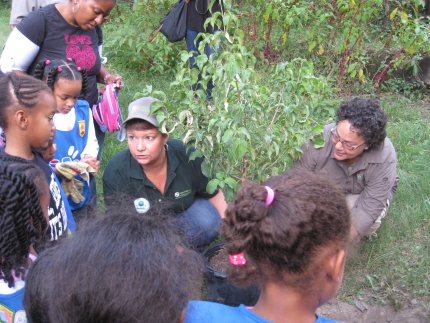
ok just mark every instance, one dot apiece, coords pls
pixel 212 185
pixel 312 45
pixel 317 129
pixel 206 169
pixel 185 56
pixel 231 68
pixel 232 183
pixel 228 134
pixel 182 116
pixel 351 67
pixel 318 142
pixel 404 16
pixel 227 36
pixel 239 148
pixel 201 60
pixel 196 154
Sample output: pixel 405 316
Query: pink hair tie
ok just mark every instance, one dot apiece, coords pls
pixel 59 70
pixel 79 69
pixel 47 62
pixel 270 195
pixel 70 59
pixel 237 260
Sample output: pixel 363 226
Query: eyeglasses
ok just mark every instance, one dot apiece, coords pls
pixel 345 145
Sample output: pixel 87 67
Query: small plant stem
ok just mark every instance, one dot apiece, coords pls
pixel 255 29
pixel 380 78
pixel 239 97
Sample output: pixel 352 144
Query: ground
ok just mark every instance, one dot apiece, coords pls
pixel 362 312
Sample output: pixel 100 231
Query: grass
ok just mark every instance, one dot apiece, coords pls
pixel 4 25
pixel 392 268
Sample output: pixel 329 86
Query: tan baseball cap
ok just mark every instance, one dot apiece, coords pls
pixel 139 109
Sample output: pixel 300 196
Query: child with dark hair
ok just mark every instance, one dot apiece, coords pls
pixel 24 201
pixel 124 267
pixel 75 137
pixel 27 107
pixel 48 153
pixel 290 236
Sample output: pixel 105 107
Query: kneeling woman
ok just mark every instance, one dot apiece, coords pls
pixel 155 171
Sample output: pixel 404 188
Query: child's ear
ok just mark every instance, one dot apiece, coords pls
pixel 336 266
pixel 21 118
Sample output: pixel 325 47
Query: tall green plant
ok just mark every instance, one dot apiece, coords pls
pixel 256 124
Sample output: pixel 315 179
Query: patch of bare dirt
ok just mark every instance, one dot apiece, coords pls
pixel 361 312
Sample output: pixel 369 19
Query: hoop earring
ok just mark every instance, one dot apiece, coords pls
pixel 73 7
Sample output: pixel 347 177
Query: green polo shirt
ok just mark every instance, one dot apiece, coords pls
pixel 185 180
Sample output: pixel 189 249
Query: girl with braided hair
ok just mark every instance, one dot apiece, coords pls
pixel 75 136
pixel 27 108
pixel 24 200
pixel 290 236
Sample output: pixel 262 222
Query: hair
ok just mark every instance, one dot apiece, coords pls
pixel 365 115
pixel 46 151
pixel 22 222
pixel 139 124
pixel 284 239
pixel 18 91
pixel 52 71
pixel 124 267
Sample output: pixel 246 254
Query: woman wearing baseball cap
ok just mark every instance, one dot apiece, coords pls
pixel 156 172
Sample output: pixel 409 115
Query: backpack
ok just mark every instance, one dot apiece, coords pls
pixel 107 112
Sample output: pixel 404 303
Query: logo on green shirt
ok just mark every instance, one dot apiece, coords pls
pixel 179 195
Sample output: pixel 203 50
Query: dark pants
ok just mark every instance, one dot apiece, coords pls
pixel 190 38
pixel 199 223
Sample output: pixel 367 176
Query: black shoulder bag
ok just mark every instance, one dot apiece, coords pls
pixel 174 24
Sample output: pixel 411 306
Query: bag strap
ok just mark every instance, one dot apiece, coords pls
pixel 154 33
pixel 207 7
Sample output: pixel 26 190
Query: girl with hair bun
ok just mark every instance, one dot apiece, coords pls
pixel 290 236
pixel 75 138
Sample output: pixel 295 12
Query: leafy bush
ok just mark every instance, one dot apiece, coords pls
pixel 256 125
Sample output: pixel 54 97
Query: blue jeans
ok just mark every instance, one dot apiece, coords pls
pixel 209 50
pixel 199 224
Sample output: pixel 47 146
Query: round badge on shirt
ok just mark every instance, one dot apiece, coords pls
pixel 142 205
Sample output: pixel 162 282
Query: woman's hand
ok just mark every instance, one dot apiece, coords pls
pixel 114 78
pixel 106 78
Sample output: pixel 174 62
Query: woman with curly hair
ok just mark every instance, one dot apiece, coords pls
pixel 360 158
pixel 24 200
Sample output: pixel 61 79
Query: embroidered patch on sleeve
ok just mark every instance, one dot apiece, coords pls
pixel 81 127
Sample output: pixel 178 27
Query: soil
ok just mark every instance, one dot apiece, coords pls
pixel 362 312
pixel 220 261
